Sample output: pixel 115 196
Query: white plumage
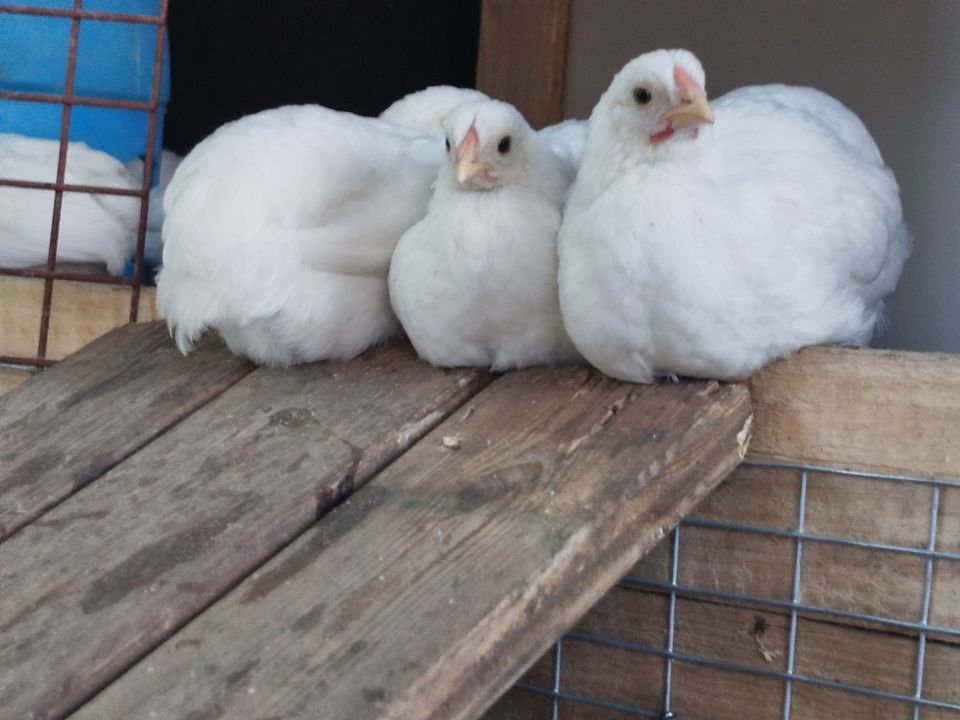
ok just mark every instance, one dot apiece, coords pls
pixel 153 244
pixel 93 227
pixel 474 282
pixel 709 250
pixel 567 140
pixel 279 230
pixel 425 109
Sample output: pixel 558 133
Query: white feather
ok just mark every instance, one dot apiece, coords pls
pixel 425 109
pixel 567 140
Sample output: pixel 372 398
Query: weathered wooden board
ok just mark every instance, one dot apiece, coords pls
pixel 432 588
pixel 12 377
pixel 110 573
pixel 86 414
pixel 874 409
pixel 535 30
pixel 868 409
pixel 80 313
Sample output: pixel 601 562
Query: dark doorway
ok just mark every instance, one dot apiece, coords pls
pixel 233 57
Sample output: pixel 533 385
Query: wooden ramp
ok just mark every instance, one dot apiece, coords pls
pixel 196 538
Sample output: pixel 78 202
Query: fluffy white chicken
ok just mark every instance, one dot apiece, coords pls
pixel 706 241
pixel 425 109
pixel 474 282
pixel 93 227
pixel 279 229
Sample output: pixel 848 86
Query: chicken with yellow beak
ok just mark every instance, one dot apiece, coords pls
pixel 474 282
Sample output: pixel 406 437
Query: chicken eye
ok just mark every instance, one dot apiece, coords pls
pixel 446 142
pixel 504 146
pixel 642 95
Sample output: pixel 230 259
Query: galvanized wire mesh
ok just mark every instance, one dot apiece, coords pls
pixel 918 703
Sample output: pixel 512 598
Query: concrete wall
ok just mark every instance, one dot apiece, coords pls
pixel 894 62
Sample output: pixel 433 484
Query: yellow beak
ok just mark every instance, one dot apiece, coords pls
pixel 692 110
pixel 468 164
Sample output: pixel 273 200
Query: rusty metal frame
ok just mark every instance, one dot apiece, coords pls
pixel 50 274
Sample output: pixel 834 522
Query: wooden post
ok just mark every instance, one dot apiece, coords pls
pixel 522 56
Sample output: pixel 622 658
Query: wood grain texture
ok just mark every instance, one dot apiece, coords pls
pixel 866 409
pixel 435 586
pixel 522 56
pixel 873 409
pixel 80 313
pixel 111 572
pixel 88 413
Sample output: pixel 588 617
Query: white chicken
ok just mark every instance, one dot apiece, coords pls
pixel 474 282
pixel 93 227
pixel 707 240
pixel 425 109
pixel 279 229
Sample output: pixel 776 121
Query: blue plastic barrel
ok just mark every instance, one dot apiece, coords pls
pixel 114 61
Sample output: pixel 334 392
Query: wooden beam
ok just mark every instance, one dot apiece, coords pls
pixel 873 409
pixel 114 570
pixel 90 412
pixel 81 312
pixel 436 585
pixel 522 56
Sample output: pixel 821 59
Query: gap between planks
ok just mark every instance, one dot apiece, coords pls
pixel 78 419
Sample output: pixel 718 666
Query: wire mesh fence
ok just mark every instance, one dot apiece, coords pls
pixel 68 100
pixel 828 612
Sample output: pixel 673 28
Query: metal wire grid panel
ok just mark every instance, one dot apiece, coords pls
pixel 918 631
pixel 68 100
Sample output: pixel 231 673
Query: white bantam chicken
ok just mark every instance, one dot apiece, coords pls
pixel 93 227
pixel 707 240
pixel 474 282
pixel 279 229
pixel 425 109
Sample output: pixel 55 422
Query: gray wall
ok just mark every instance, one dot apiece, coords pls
pixel 895 63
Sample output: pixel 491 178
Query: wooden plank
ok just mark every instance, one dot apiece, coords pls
pixel 80 313
pixel 12 377
pixel 110 573
pixel 872 409
pixel 522 56
pixel 88 413
pixel 437 584
pixel 868 409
